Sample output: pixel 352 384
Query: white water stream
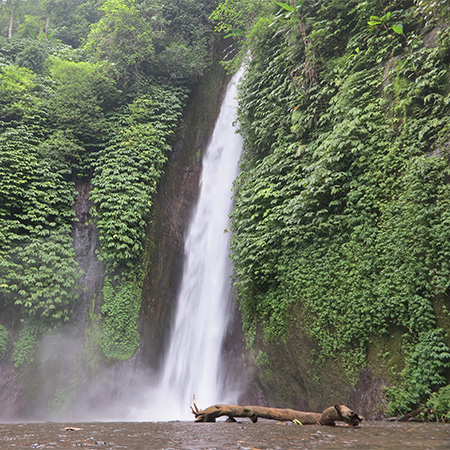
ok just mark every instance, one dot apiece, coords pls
pixel 193 360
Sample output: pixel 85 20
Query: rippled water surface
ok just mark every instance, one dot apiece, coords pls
pixel 221 435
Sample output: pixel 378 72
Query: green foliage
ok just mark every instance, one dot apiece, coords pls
pixel 125 181
pixel 24 347
pixel 122 36
pixel 41 278
pixel 236 19
pixel 182 37
pixel 82 91
pixel 342 203
pixel 262 359
pixel 438 406
pixel 33 196
pixel 92 339
pixel 178 61
pixel 127 173
pixel 63 150
pixel 425 366
pixel 38 273
pixel 34 56
pixel 431 11
pixel 11 12
pixel 121 303
pixel 376 22
pixel 18 99
pixel 16 81
pixel 70 20
pixel 4 338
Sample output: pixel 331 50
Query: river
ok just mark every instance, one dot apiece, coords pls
pixel 242 435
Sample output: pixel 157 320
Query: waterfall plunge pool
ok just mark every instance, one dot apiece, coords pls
pixel 242 435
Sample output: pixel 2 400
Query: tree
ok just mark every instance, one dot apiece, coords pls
pixel 81 89
pixel 70 20
pixel 122 36
pixel 19 103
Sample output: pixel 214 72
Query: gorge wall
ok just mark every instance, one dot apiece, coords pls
pixel 340 228
pixel 177 195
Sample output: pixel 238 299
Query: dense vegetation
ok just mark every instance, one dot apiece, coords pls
pixel 342 205
pixel 342 214
pixel 88 91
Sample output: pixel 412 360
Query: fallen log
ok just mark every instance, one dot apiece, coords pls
pixel 328 417
pixel 411 415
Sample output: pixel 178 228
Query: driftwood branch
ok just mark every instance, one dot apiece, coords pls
pixel 329 417
pixel 411 415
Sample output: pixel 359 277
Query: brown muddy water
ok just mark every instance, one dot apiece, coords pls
pixel 221 435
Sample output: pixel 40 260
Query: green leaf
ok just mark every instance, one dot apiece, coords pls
pixel 235 33
pixel 286 6
pixel 398 28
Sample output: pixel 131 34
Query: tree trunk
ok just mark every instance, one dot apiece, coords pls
pixel 47 23
pixel 328 417
pixel 11 21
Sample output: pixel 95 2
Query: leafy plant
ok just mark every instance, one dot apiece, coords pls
pixel 79 99
pixel 424 370
pixel 236 19
pixel 438 406
pixel 38 273
pixel 126 176
pixel 24 347
pixel 4 338
pixel 123 37
pixel 125 181
pixel 385 22
pixel 121 303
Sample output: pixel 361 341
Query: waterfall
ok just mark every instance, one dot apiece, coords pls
pixel 192 364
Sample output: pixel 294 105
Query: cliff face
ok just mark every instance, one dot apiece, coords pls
pixel 86 245
pixel 177 195
pixel 341 222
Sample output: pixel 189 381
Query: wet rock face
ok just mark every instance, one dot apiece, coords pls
pixel 11 392
pixel 368 396
pixel 86 243
pixel 173 206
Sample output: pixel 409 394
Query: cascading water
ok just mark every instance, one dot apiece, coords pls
pixel 193 360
